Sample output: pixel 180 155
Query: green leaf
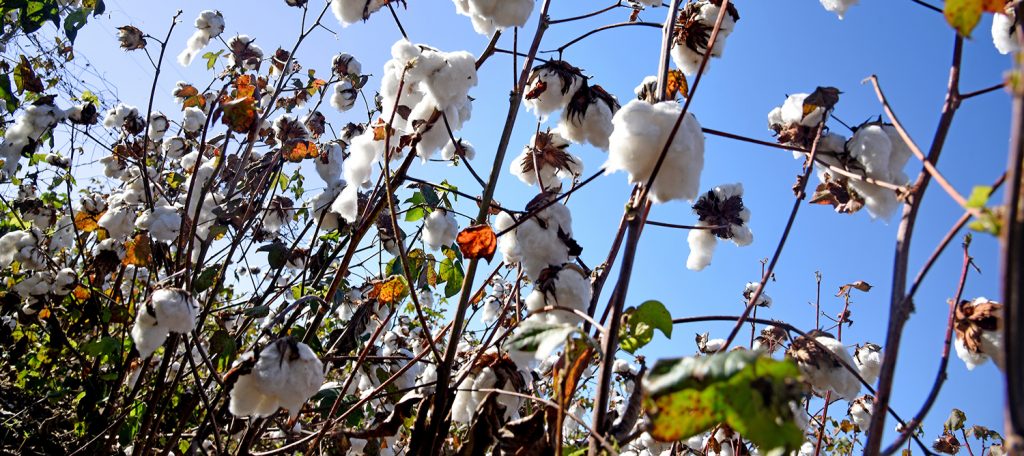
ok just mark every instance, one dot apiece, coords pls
pixel 74 22
pixel 414 214
pixel 6 94
pixel 211 58
pixel 35 13
pixel 964 15
pixel 744 389
pixel 102 346
pixel 453 285
pixel 257 312
pixel 206 279
pixel 989 223
pixel 979 196
pixel 277 254
pixel 638 325
pixel 222 345
pixel 540 338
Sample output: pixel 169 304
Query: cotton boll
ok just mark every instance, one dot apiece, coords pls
pixel 349 12
pixel 147 334
pixel 1004 33
pixel 898 157
pixel 209 25
pixel 244 53
pixel 763 300
pixel 329 165
pixel 546 159
pixel 979 332
pixel 702 248
pixel 551 87
pixel 463 149
pixel 489 16
pixel 640 132
pixel 174 309
pixel 364 152
pixel 163 222
pixel 345 95
pixel 818 363
pixel 464 406
pixel 871 146
pixel 194 120
pixel 691 44
pixel 588 117
pixel 345 65
pixel 321 207
pixel 971 359
pixel 508 243
pixel 490 310
pixel 286 374
pixel 347 204
pixel 119 220
pixel 440 229
pixel 565 286
pixel 860 410
pixel 868 359
pixel 539 243
pixel 838 6
pixel 157 126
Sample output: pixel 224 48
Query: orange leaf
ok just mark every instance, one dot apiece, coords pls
pixel 478 242
pixel 86 222
pixel 964 15
pixel 390 292
pixel 138 251
pixel 81 293
pixel 239 114
pixel 300 150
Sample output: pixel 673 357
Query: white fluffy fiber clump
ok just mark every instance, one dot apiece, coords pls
pixel 687 59
pixel 194 120
pixel 469 395
pixel 987 325
pixel 22 246
pixel 163 222
pixel 286 375
pixel 489 16
pixel 991 346
pixel 868 359
pixel 703 241
pixel 594 123
pixel 838 6
pixel 826 375
pixel 344 96
pixel 640 132
pixel 209 25
pixel 29 127
pixel 792 112
pixel 440 229
pixel 158 125
pixel 168 310
pixel 860 411
pixel 546 92
pixel 546 149
pixel 451 150
pixel 536 243
pixel 1004 33
pixel 349 12
pixel 883 154
pixel 329 166
pixel 572 290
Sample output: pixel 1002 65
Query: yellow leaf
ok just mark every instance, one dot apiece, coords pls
pixel 86 222
pixel 81 293
pixel 964 15
pixel 391 291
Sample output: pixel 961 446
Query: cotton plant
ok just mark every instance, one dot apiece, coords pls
pixel 209 25
pixel 641 131
pixel 489 16
pixel 720 215
pixel 868 359
pixel 694 25
pixel 979 332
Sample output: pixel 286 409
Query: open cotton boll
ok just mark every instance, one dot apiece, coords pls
pixel 440 229
pixel 286 375
pixel 330 164
pixel 194 120
pixel 693 31
pixel 562 286
pixel 871 146
pixel 157 126
pixel 364 152
pixel 345 95
pixel 860 411
pixel 551 87
pixel 588 117
pixel 489 16
pixel 838 6
pixel 538 242
pixel 464 406
pixel 449 82
pixel 462 149
pixel 174 309
pixel 435 136
pixel 546 159
pixel 1004 33
pixel 508 243
pixel 899 155
pixel 174 148
pixel 639 134
pixel 22 246
pixel 868 359
pixel 147 334
pixel 321 207
pixel 763 300
pixel 818 362
pixel 119 220
pixel 345 65
pixel 209 25
pixel 346 205
pixel 349 12
pixel 244 52
pixel 979 332
pixel 792 111
pixel 163 222
pixel 490 310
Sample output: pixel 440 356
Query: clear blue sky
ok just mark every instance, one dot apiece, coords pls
pixel 778 48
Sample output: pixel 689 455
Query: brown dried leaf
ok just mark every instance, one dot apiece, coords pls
pixel 478 242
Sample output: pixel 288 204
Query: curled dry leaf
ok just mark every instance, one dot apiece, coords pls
pixel 477 241
pixel 972 318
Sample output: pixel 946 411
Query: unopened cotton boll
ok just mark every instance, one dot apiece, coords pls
pixel 209 25
pixel 440 229
pixel 489 16
pixel 349 12
pixel 838 6
pixel 868 359
pixel 194 120
pixel 1004 33
pixel 639 135
pixel 344 97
